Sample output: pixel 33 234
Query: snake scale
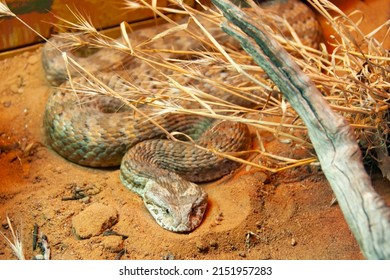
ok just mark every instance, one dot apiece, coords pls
pixel 97 130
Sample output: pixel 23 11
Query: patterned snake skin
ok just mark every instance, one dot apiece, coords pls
pixel 92 129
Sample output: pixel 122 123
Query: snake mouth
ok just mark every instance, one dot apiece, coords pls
pixel 182 215
pixel 188 224
pixel 182 219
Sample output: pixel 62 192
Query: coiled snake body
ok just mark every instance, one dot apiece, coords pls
pixel 97 130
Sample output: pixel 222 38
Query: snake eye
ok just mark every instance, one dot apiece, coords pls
pixel 166 211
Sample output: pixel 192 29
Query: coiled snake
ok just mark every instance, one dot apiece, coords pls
pixel 97 130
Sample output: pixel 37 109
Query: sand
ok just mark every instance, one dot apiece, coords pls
pixel 251 214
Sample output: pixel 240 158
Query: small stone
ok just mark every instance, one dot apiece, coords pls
pixel 202 246
pixel 242 254
pixel 168 256
pixel 86 199
pixel 93 220
pixel 4 224
pixel 213 244
pixel 293 242
pixel 113 243
pixel 38 257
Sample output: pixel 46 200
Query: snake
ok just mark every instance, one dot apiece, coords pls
pixel 94 129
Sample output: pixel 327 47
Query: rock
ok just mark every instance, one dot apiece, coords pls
pixel 4 224
pixel 113 243
pixel 293 242
pixel 168 256
pixel 93 220
pixel 86 199
pixel 213 244
pixel 202 246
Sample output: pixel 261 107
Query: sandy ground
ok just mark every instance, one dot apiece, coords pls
pixel 251 215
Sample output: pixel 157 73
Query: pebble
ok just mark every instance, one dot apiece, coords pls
pixel 86 199
pixel 93 220
pixel 213 244
pixel 4 224
pixel 202 247
pixel 168 256
pixel 113 243
pixel 38 257
pixel 293 242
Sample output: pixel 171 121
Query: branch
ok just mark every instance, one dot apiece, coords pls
pixel 333 139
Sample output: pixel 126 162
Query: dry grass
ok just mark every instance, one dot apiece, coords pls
pixel 16 244
pixel 354 78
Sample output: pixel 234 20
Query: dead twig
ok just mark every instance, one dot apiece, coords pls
pixel 332 137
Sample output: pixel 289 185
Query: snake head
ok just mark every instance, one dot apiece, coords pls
pixel 176 205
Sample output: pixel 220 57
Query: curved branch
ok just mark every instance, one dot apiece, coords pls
pixel 333 139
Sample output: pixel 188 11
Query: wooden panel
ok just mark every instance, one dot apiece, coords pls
pixel 40 14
